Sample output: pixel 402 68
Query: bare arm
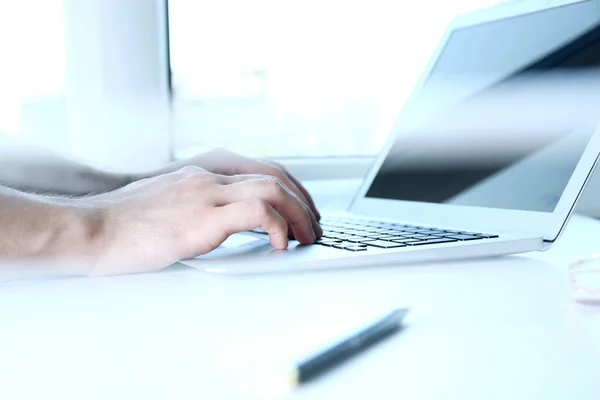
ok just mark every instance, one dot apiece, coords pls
pixel 151 223
pixel 36 169
pixel 39 227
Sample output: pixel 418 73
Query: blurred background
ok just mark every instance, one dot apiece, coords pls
pixel 132 84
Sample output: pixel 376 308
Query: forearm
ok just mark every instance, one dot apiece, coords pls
pixel 37 227
pixel 38 170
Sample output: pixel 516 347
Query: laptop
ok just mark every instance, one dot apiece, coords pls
pixel 468 171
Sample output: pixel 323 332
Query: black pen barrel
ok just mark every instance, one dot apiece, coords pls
pixel 348 348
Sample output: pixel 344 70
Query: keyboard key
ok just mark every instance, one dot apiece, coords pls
pixel 423 231
pixel 438 235
pixel 344 228
pixel 432 241
pixel 330 243
pixel 463 237
pixel 342 245
pixel 411 230
pixel 487 236
pixel 381 230
pixel 371 235
pixel 360 239
pixel 386 236
pixel 356 248
pixel 340 236
pixel 407 240
pixel 353 232
pixel 385 245
pixel 433 233
pixel 350 245
pixel 397 233
pixel 392 238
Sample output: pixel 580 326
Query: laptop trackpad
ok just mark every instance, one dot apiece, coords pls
pixel 243 240
pixel 240 244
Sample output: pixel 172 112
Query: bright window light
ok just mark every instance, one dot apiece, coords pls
pixel 32 70
pixel 311 78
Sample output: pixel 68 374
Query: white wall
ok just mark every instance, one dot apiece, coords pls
pixel 32 69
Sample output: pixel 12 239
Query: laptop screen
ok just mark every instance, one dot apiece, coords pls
pixel 518 117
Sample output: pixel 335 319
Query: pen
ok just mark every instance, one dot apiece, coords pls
pixel 353 345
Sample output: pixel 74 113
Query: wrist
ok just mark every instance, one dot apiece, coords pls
pixel 60 233
pixel 76 233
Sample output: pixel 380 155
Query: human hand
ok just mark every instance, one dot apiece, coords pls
pixel 225 162
pixel 155 222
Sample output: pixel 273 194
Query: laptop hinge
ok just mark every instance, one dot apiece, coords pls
pixel 547 244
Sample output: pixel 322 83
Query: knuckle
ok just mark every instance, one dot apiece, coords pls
pixel 222 150
pixel 213 178
pixel 200 181
pixel 276 172
pixel 196 185
pixel 258 207
pixel 191 169
pixel 273 184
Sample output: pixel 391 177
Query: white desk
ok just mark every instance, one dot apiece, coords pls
pixel 498 329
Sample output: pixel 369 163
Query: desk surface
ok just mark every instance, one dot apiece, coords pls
pixel 506 328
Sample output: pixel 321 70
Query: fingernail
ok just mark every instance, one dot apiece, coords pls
pixel 318 231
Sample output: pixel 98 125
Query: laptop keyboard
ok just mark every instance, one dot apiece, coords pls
pixel 360 235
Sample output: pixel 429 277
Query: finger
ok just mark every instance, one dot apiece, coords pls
pixel 318 231
pixel 306 199
pixel 282 173
pixel 301 221
pixel 302 189
pixel 191 172
pixel 272 191
pixel 250 214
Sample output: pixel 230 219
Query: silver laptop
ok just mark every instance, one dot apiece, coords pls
pixel 487 157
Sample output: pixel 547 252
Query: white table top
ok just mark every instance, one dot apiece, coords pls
pixel 505 328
